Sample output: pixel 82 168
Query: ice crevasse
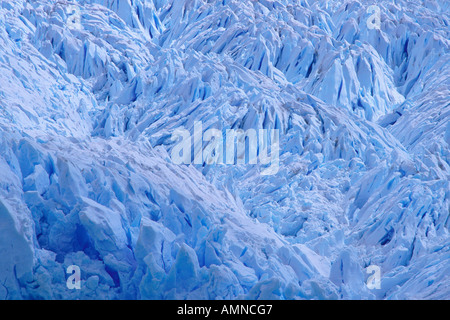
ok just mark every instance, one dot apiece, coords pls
pixel 91 92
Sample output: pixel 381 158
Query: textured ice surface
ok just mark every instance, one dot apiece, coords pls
pixel 87 115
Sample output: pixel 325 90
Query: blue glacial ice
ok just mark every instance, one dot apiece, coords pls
pixel 91 92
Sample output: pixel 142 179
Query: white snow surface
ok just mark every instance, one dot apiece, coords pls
pixel 86 178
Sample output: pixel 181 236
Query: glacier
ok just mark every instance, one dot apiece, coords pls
pixel 91 92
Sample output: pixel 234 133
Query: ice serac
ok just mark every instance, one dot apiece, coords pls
pixel 17 256
pixel 87 113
